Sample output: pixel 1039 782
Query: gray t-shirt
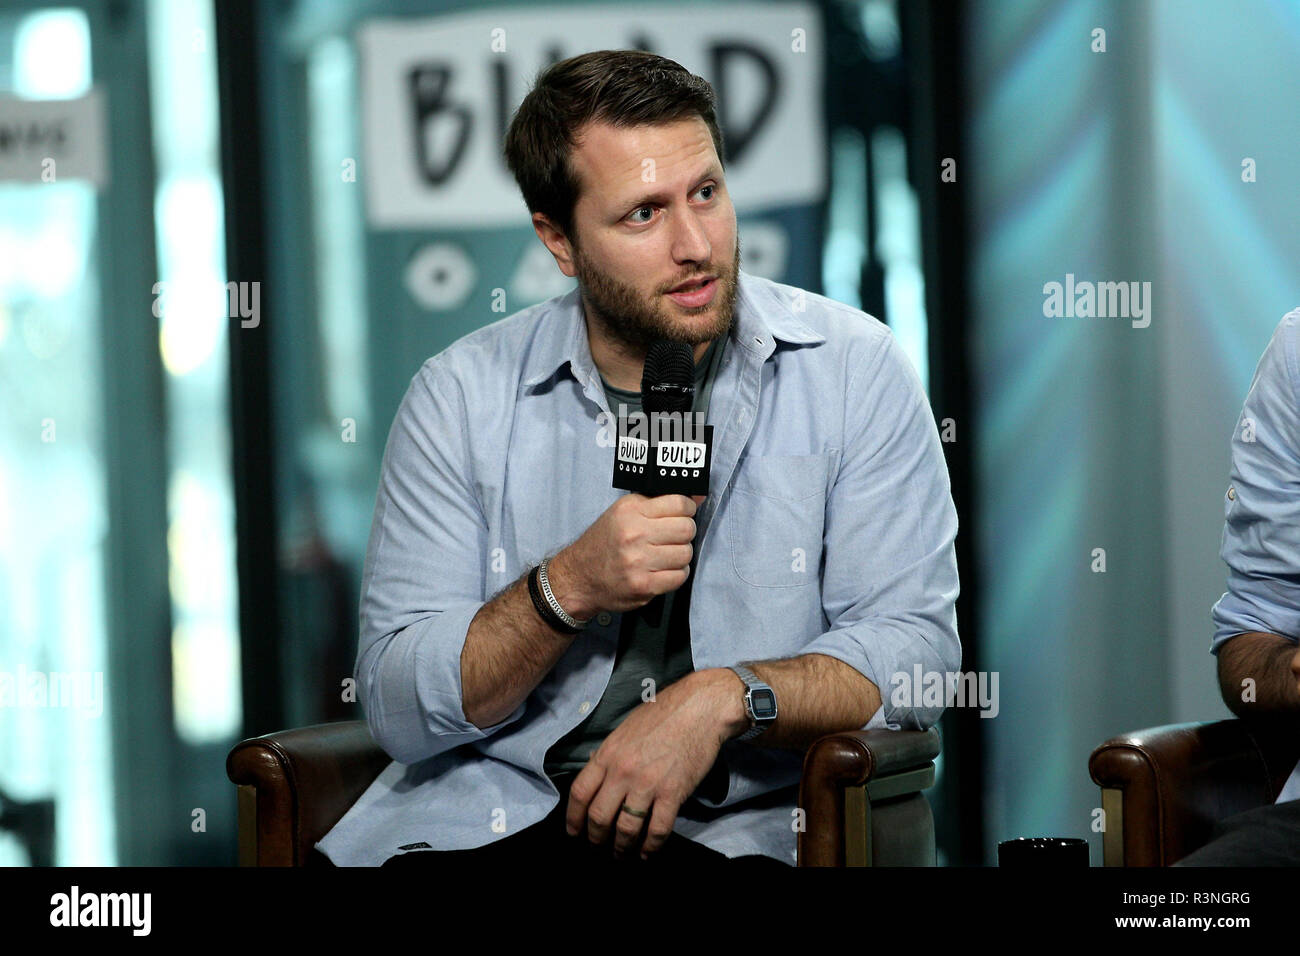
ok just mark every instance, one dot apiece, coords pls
pixel 654 640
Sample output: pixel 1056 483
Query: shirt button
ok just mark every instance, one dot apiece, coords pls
pixel 1232 493
pixel 742 416
pixel 586 706
pixel 603 618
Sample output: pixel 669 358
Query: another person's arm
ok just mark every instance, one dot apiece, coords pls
pixel 1257 618
pixel 1260 674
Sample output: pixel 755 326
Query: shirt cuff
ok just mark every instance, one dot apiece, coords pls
pixel 413 694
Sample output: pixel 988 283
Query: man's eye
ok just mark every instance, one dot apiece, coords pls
pixel 632 215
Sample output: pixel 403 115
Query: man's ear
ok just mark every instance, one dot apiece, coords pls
pixel 556 243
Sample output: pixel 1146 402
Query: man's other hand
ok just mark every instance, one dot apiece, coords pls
pixel 653 761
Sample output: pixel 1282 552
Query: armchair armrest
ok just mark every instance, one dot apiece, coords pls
pixel 861 788
pixel 1164 788
pixel 294 786
pixel 861 792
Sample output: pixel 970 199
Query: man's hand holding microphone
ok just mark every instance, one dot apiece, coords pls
pixel 638 549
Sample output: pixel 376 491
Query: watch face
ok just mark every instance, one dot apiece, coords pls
pixel 764 703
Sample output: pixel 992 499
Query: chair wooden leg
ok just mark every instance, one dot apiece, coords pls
pixel 247 825
pixel 857 826
pixel 1112 838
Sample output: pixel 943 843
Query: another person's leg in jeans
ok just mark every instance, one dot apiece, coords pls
pixel 1264 836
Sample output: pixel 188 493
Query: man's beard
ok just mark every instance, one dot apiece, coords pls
pixel 624 315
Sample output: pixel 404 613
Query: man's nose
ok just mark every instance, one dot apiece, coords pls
pixel 690 241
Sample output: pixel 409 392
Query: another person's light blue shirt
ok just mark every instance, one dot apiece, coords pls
pixel 1261 531
pixel 829 529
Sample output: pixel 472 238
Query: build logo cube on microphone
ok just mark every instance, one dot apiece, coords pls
pixel 666 448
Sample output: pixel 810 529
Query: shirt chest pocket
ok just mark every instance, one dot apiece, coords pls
pixel 776 513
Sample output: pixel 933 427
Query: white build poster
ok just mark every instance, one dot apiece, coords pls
pixel 438 92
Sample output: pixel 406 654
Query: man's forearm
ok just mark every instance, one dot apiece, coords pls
pixel 1265 661
pixel 509 648
pixel 816 695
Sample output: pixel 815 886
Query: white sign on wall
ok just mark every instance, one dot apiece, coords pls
pixel 53 140
pixel 437 95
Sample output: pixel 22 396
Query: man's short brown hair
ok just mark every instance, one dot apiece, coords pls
pixel 620 87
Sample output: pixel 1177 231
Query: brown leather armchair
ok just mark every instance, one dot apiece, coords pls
pixel 1163 789
pixel 861 790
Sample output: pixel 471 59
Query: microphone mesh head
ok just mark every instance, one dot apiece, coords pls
pixel 668 380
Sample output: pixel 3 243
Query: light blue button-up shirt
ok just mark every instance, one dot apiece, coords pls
pixel 1261 508
pixel 828 529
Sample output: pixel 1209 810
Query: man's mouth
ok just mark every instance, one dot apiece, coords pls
pixel 694 284
pixel 695 293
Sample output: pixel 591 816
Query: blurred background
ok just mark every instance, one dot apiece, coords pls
pixel 231 232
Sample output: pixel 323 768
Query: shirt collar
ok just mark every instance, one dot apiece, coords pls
pixel 763 312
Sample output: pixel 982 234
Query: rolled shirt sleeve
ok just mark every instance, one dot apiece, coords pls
pixel 1261 531
pixel 890 583
pixel 423 577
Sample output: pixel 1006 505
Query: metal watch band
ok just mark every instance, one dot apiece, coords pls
pixel 752 682
pixel 545 584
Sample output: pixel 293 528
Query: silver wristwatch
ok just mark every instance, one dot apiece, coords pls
pixel 760 702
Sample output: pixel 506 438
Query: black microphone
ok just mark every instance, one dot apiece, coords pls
pixel 665 450
pixel 668 378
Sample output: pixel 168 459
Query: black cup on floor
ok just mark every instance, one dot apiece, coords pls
pixel 1043 852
